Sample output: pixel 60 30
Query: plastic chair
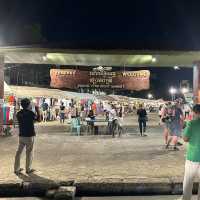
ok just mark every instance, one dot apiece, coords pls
pixel 75 124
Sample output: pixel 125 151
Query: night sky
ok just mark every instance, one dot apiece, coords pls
pixel 151 24
pixel 111 24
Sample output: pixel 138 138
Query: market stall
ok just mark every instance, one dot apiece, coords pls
pixel 8 109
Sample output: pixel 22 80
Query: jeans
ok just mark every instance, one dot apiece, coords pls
pixel 192 170
pixel 113 127
pixel 142 125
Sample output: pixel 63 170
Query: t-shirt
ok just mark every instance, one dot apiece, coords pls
pixel 187 108
pixel 178 114
pixel 73 112
pixel 141 113
pixel 192 131
pixel 112 115
pixel 26 120
pixel 45 106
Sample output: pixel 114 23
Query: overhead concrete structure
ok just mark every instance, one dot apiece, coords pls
pixel 129 58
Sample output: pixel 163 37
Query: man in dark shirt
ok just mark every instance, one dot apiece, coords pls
pixel 27 134
pixel 142 119
pixel 45 107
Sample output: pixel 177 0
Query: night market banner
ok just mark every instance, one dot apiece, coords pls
pixel 73 79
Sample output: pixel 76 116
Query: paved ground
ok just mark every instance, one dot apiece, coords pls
pixel 60 156
pixel 136 198
pixel 110 198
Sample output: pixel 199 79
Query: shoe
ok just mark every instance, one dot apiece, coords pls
pixel 179 144
pixel 175 149
pixel 30 171
pixel 18 171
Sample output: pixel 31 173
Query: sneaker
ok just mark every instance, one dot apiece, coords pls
pixel 18 171
pixel 175 149
pixel 179 144
pixel 30 171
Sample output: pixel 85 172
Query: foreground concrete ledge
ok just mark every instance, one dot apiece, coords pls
pixel 136 186
pixel 65 193
pixel 97 187
pixel 10 189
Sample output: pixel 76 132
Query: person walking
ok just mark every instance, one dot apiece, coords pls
pixel 62 113
pixel 192 165
pixel 120 120
pixel 26 119
pixel 113 123
pixel 44 111
pixel 175 124
pixel 186 109
pixel 166 112
pixel 160 114
pixel 91 122
pixel 142 119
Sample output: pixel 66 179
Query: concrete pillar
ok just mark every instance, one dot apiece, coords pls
pixel 196 82
pixel 1 90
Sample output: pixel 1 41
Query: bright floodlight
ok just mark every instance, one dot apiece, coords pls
pixel 100 68
pixel 154 59
pixel 176 67
pixel 172 90
pixel 150 96
pixel 184 90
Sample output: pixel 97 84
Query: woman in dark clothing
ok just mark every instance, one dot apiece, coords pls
pixel 91 122
pixel 142 119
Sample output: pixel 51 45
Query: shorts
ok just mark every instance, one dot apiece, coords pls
pixel 62 115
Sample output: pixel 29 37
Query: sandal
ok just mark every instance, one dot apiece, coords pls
pixel 30 171
pixel 18 171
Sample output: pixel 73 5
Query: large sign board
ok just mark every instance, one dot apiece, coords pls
pixel 73 79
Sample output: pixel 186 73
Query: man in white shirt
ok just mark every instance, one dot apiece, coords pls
pixel 112 120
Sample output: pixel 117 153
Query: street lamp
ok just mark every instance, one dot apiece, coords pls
pixel 172 91
pixel 154 59
pixel 184 90
pixel 150 96
pixel 176 67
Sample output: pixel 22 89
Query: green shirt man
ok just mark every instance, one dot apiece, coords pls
pixel 192 135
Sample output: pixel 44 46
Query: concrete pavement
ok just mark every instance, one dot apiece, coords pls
pixel 135 198
pixel 58 156
pixel 131 161
pixel 109 198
